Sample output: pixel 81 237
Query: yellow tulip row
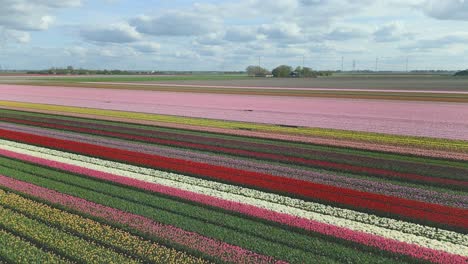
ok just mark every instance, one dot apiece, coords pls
pixel 16 250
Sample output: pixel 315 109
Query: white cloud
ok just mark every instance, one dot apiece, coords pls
pixel 147 47
pixel 446 9
pixel 114 33
pixel 394 31
pixel 116 51
pixel 76 51
pixel 57 3
pixel 283 31
pixel 439 43
pixel 31 15
pixel 7 35
pixel 177 23
pixel 209 51
pixel 211 39
pixel 346 33
pixel 241 34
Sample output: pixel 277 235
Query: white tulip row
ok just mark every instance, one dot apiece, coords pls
pixel 437 239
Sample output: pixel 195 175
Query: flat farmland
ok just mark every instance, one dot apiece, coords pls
pixel 137 170
pixel 411 82
pixel 390 81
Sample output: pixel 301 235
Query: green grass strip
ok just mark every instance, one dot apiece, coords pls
pixel 256 235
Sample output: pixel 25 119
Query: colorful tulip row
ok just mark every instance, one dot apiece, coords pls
pixel 300 156
pixel 107 170
pixel 415 210
pixel 400 189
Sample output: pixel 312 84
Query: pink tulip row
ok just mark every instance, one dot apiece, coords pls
pixel 442 120
pixel 326 229
pixel 194 241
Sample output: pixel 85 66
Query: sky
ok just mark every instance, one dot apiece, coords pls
pixel 209 35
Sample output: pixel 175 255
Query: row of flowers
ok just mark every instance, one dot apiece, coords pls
pixel 365 185
pixel 16 250
pixel 236 193
pixel 104 234
pixel 256 235
pixel 249 153
pixel 297 220
pixel 365 201
pixel 395 140
pixel 63 243
pixel 167 233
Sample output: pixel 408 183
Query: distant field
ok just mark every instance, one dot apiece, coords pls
pixel 436 95
pixel 390 81
pixel 358 82
pixel 124 78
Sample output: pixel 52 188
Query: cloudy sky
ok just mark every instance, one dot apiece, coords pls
pixel 230 35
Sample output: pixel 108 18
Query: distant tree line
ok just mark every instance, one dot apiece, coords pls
pixel 72 71
pixel 462 73
pixel 431 71
pixel 286 71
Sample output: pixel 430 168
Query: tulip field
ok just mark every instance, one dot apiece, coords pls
pixel 95 175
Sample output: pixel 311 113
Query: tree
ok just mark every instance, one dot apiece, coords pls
pixel 305 72
pixel 256 71
pixel 282 71
pixel 462 73
pixel 308 73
